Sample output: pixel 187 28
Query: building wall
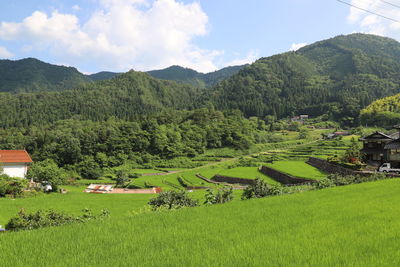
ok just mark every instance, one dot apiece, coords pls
pixel 15 169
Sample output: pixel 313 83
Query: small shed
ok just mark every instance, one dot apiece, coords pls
pixel 15 163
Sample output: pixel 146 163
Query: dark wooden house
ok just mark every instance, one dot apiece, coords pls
pixel 380 148
pixel 374 146
pixel 393 150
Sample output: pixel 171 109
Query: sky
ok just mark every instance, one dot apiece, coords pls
pixel 205 35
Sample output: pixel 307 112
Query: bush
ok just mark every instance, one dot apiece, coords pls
pixel 324 183
pixel 40 219
pixel 261 189
pixel 12 186
pixel 89 168
pixel 220 196
pixel 172 200
pixel 47 171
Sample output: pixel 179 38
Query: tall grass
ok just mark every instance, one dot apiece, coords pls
pixel 348 226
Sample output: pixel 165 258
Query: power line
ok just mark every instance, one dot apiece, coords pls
pixel 389 3
pixel 369 11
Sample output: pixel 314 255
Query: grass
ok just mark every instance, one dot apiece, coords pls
pixel 345 226
pixel 297 168
pixel 247 172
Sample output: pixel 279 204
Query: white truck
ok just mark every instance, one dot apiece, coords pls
pixel 386 167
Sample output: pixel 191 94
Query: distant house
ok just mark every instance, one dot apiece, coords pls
pixel 15 162
pixel 300 119
pixel 379 147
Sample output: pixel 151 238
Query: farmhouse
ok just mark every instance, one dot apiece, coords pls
pixel 379 147
pixel 15 162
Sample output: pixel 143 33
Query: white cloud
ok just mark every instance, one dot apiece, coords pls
pixel 120 35
pixel 296 47
pixel 374 24
pixel 4 53
pixel 76 8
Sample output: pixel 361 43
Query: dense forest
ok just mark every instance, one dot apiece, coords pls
pixel 31 75
pixel 126 97
pixel 192 77
pixel 383 112
pixel 336 77
pixel 84 145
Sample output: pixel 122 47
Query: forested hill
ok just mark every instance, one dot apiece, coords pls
pixel 383 112
pixel 126 97
pixel 31 75
pixel 335 77
pixel 103 75
pixel 192 77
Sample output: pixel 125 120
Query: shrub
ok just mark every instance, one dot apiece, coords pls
pixel 40 219
pixel 47 171
pixel 89 168
pixel 12 186
pixel 261 189
pixel 324 183
pixel 339 180
pixel 220 196
pixel 172 200
pixel 121 178
pixel 182 182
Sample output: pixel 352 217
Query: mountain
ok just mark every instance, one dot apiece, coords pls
pixel 127 96
pixel 335 78
pixel 31 75
pixel 383 112
pixel 192 77
pixel 103 75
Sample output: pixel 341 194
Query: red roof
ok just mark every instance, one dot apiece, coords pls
pixel 14 156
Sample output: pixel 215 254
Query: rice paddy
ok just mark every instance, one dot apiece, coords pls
pixel 345 226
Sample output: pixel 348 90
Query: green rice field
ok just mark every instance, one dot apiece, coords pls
pixel 298 169
pixel 353 225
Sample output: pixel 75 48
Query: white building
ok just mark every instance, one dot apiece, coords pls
pixel 15 162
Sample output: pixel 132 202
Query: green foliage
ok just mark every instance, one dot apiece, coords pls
pixel 47 170
pixel 30 75
pixel 40 219
pixel 127 96
pixel 88 168
pixel 222 195
pixel 13 186
pixel 192 77
pixel 324 183
pixel 337 77
pixel 172 200
pixel 383 112
pixel 260 189
pixel 352 153
pixel 122 178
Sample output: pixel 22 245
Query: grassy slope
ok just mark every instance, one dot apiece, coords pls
pixel 354 225
pixel 297 168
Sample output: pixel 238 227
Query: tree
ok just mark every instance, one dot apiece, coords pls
pixel 47 171
pixel 172 200
pixel 352 154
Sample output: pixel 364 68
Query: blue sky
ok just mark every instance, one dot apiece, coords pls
pixel 205 35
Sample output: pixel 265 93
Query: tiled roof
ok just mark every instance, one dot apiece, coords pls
pixel 393 145
pixel 376 136
pixel 14 156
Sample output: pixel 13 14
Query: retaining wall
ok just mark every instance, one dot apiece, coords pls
pixel 232 180
pixel 327 167
pixel 284 178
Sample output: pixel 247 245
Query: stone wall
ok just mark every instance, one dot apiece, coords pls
pixel 327 167
pixel 284 178
pixel 232 180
